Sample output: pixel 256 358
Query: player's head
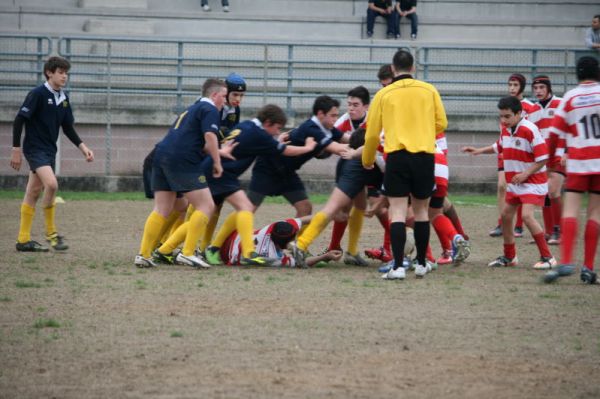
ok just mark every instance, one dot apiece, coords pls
pixel 236 87
pixel 385 75
pixel 326 109
pixel 596 22
pixel 216 91
pixel 357 138
pixel 403 62
pixel 358 102
pixel 56 71
pixel 283 233
pixel 516 84
pixel 272 118
pixel 509 109
pixel 587 69
pixel 541 87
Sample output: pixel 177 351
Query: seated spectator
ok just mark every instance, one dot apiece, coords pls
pixel 382 8
pixel 592 36
pixel 206 7
pixel 408 9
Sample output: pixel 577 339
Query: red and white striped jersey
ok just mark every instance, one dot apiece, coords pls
pixel 521 147
pixel 441 142
pixel 577 120
pixel 344 123
pixel 265 247
pixel 542 116
pixel 441 168
pixel 528 109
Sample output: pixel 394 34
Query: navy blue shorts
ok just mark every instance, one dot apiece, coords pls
pixel 170 175
pixel 38 159
pixel 262 185
pixel 223 187
pixel 351 177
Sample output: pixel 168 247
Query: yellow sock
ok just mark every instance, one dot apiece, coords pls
pixel 245 229
pixel 175 239
pixel 210 230
pixel 27 213
pixel 152 229
pixel 176 223
pixel 188 213
pixel 197 225
pixel 225 231
pixel 168 227
pixel 49 213
pixel 355 223
pixel 316 226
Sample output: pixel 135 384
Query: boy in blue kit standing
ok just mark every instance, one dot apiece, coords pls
pixel 45 110
pixel 177 167
pixel 250 139
pixel 277 175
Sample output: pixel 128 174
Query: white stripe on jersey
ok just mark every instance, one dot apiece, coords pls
pixel 527 188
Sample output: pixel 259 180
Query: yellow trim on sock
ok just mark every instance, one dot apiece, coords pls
pixel 210 230
pixel 168 227
pixel 355 223
pixel 225 231
pixel 152 229
pixel 188 213
pixel 27 214
pixel 49 215
pixel 316 226
pixel 245 229
pixel 197 225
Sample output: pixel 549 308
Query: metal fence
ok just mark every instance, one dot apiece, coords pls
pixel 147 75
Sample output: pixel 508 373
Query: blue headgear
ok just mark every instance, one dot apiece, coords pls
pixel 235 83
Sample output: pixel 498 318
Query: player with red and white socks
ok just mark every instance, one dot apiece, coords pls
pixel 454 246
pixel 577 119
pixel 525 155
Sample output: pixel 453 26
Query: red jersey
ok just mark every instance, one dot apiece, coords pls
pixel 441 174
pixel 521 147
pixel 344 123
pixel 441 142
pixel 577 120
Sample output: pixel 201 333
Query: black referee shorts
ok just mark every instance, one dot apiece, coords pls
pixel 409 173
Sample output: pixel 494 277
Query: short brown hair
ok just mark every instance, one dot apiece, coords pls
pixel 273 114
pixel 211 86
pixel 55 63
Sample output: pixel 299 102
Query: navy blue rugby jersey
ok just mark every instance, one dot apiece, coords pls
pixel 252 140
pixel 45 111
pixel 185 139
pixel 230 116
pixel 310 128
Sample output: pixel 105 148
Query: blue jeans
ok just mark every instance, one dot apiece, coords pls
pixel 391 21
pixel 414 23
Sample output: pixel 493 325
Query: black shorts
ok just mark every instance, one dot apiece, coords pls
pixel 351 177
pixel 375 182
pixel 409 173
pixel 37 159
pixel 436 202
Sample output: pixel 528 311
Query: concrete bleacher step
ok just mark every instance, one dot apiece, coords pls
pixel 121 26
pixel 136 4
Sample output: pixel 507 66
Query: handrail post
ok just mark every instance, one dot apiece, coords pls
pixel 290 75
pixel 39 61
pixel 108 136
pixel 265 72
pixel 426 64
pixel 179 78
pixel 534 57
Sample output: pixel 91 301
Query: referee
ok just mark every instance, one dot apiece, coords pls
pixel 410 113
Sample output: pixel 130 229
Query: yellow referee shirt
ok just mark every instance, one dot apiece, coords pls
pixel 410 113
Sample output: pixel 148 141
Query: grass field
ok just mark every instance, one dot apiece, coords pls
pixel 87 324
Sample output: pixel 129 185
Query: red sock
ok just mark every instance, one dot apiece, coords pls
pixel 444 230
pixel 457 224
pixel 336 235
pixel 542 245
pixel 519 217
pixel 410 222
pixel 510 251
pixel 385 223
pixel 568 229
pixel 548 219
pixel 500 221
pixel 556 204
pixel 590 243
